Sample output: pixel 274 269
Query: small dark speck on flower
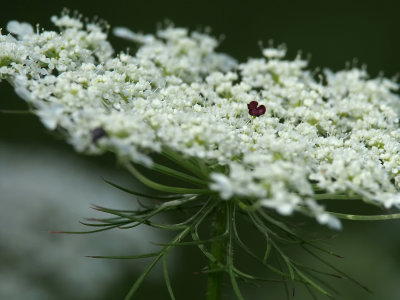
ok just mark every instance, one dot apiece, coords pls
pixel 98 133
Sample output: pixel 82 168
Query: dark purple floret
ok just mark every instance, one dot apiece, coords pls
pixel 252 105
pixel 98 133
pixel 261 109
pixel 256 110
pixel 253 112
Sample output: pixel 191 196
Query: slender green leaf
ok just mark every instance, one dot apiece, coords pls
pixel 208 271
pixel 322 282
pixel 267 252
pixel 166 277
pixel 183 162
pixel 15 112
pixel 168 197
pixel 312 283
pixel 86 232
pixel 179 175
pixel 199 215
pixel 164 188
pixel 285 285
pixel 232 276
pixel 310 292
pixel 336 269
pixel 147 255
pixel 366 218
pixel 199 242
pixel 287 261
pixel 257 278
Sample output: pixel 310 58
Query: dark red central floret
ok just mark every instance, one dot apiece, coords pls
pixel 256 110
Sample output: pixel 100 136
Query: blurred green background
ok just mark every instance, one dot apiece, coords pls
pixel 331 33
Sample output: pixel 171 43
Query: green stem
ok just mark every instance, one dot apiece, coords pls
pixel 218 251
pixel 15 112
pixel 366 218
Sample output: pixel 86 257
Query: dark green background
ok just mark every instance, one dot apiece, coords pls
pixel 331 32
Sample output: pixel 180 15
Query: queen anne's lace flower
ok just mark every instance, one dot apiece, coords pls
pixel 339 136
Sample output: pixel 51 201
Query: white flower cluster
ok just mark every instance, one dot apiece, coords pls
pixel 337 134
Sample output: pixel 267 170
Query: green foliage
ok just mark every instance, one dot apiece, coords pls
pixel 202 208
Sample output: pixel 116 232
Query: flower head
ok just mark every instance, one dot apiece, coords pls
pixel 176 92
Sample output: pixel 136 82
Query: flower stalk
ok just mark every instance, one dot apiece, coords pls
pixel 218 251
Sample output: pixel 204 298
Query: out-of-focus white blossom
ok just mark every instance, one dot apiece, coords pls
pixel 340 136
pixel 19 29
